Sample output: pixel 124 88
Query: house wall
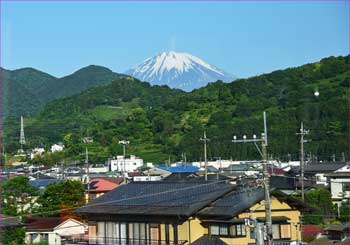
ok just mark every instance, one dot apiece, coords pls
pixel 53 238
pixel 92 196
pixel 337 189
pixel 192 229
pixel 277 209
pixel 69 228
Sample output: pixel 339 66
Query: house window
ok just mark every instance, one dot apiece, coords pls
pixel 285 231
pixel 281 231
pixel 214 230
pixel 44 237
pixel 238 230
pixel 223 230
pixel 276 231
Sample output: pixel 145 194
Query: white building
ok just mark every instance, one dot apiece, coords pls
pixel 52 230
pixel 340 185
pixel 57 147
pixel 126 165
pixel 218 164
pixel 147 178
pixel 37 152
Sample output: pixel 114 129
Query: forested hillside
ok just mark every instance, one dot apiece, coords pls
pixel 25 91
pixel 161 122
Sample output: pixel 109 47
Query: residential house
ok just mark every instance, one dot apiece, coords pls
pixel 227 217
pixel 126 165
pixel 53 230
pixel 100 186
pixel 187 213
pixel 151 212
pixel 241 170
pixel 57 147
pixel 286 184
pixel 338 232
pixel 317 170
pixel 340 185
pixel 218 164
pixel 38 151
pixel 153 171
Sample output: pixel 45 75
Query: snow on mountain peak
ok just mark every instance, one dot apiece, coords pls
pixel 178 70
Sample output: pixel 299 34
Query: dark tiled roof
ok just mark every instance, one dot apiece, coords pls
pixel 180 176
pixel 239 201
pixel 338 174
pixel 192 177
pixel 40 176
pixel 36 224
pixel 43 182
pixel 237 167
pixel 282 182
pixel 234 203
pixel 9 221
pixel 206 240
pixel 157 198
pixel 323 167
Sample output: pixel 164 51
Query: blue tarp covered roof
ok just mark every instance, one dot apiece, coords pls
pixel 179 169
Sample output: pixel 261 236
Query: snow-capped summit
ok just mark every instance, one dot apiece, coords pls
pixel 178 70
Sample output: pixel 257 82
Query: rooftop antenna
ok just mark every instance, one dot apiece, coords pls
pixel 22 139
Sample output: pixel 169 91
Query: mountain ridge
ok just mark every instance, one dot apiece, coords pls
pixel 41 87
pixel 178 70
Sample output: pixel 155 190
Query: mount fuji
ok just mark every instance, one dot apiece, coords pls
pixel 178 70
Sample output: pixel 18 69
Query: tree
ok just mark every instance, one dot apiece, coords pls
pixel 344 213
pixel 321 201
pixel 59 198
pixel 13 236
pixel 18 196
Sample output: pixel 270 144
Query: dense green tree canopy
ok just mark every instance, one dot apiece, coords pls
pixel 59 198
pixel 18 196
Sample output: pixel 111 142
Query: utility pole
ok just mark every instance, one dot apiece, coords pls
pixel 205 140
pixel 124 143
pixel 302 133
pixel 266 177
pixel 88 173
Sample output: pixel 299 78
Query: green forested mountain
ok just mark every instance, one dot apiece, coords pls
pixel 161 122
pixel 26 90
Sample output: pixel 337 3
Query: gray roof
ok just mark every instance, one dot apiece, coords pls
pixel 323 167
pixel 238 201
pixel 234 203
pixel 237 167
pixel 7 221
pixel 157 198
pixel 207 239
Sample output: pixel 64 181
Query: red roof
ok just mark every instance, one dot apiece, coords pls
pixel 276 171
pixel 117 181
pixel 44 223
pixel 104 184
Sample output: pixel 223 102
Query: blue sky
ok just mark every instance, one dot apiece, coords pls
pixel 242 38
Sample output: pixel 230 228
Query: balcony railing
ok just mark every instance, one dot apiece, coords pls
pixel 120 241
